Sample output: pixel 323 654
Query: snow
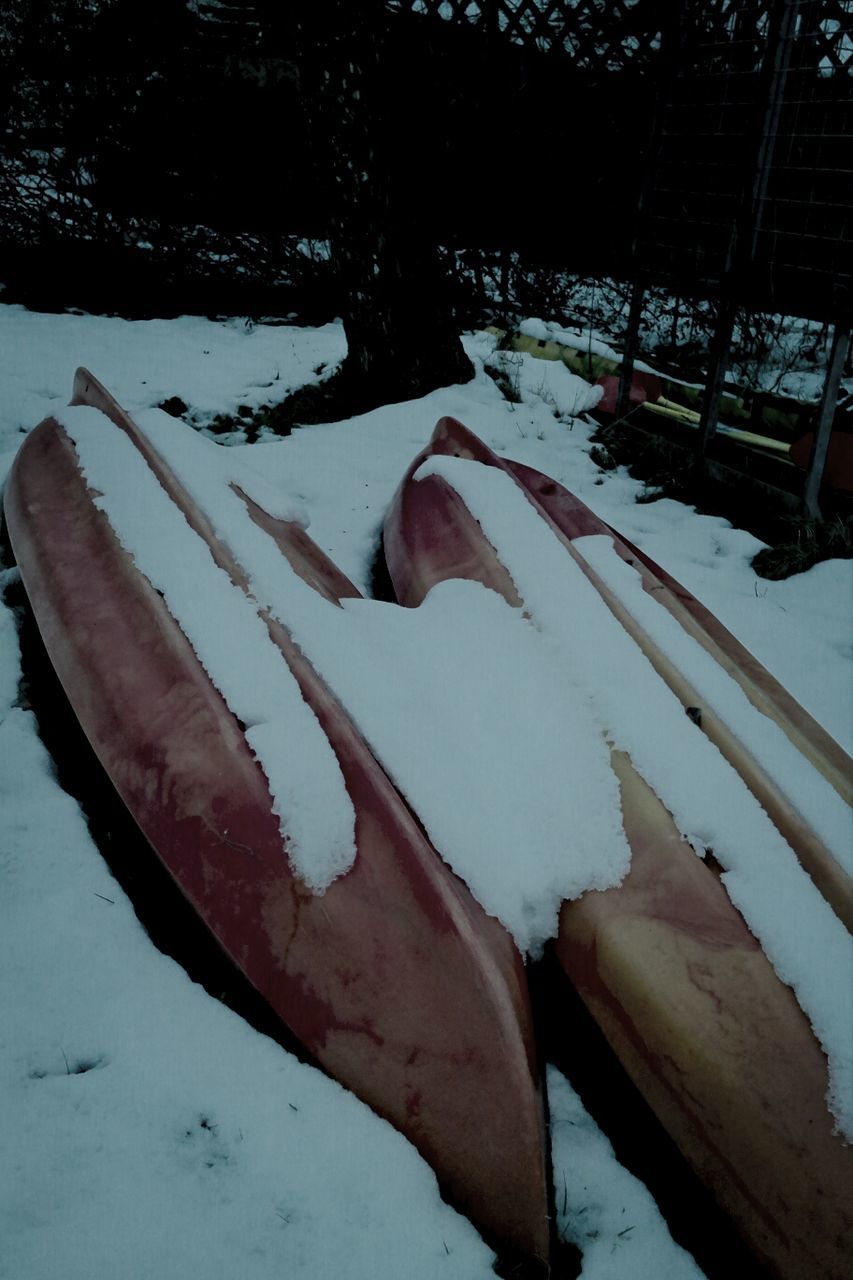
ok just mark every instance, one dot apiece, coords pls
pixel 601 1207
pixel 177 1150
pixel 584 341
pixel 224 626
pixel 549 381
pixel 577 339
pixel 535 328
pixel 213 366
pixel 471 675
pixel 807 790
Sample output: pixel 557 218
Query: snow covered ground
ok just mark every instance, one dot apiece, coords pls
pixel 148 1131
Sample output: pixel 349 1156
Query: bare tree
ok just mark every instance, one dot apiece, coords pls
pixel 402 341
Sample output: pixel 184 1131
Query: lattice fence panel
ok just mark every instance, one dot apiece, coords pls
pixel 753 164
pixel 805 221
pixel 598 35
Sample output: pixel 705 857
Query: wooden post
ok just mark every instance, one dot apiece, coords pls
pixel 632 342
pixel 720 348
pixel 823 430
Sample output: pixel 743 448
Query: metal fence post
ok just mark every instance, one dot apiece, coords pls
pixel 721 344
pixel 630 347
pixel 744 233
pixel 823 430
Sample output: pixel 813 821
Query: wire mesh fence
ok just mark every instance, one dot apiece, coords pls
pixel 597 36
pixel 751 183
pixel 704 146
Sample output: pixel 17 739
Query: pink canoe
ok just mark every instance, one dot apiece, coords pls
pixel 430 535
pixel 394 979
pixel 686 998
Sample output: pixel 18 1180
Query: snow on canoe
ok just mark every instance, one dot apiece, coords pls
pixel 685 993
pixel 393 977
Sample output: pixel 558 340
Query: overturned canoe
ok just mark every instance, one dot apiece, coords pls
pixel 393 978
pixel 715 1041
pixel 430 535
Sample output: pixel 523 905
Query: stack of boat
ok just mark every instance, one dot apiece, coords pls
pixel 394 977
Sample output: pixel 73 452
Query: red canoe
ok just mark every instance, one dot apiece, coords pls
pixel 418 557
pixel 714 1040
pixel 395 979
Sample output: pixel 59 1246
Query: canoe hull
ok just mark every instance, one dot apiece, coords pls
pixel 430 535
pixel 715 1042
pixel 394 979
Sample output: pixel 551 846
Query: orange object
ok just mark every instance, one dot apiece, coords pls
pixel 838 472
pixel 644 386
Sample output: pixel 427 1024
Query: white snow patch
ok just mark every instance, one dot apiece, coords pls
pixel 214 366
pixel 816 800
pixel 552 382
pixel 601 1207
pixel 534 328
pixel 10 672
pixel 459 697
pixel 233 645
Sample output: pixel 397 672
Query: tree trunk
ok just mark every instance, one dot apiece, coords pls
pixel 402 342
pixel 402 339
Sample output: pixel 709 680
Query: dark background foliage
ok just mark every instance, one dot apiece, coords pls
pixel 175 153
